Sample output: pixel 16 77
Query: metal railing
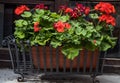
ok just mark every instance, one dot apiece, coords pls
pixel 23 62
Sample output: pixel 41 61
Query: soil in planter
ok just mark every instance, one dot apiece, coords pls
pixel 48 57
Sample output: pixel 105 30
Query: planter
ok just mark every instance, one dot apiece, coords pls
pixel 48 55
pixel 43 57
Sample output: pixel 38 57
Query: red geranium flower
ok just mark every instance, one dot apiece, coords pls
pixel 36 27
pixel 67 25
pixel 87 10
pixel 80 7
pixel 41 6
pixel 103 17
pixel 105 8
pixel 74 14
pixel 111 20
pixel 36 24
pixel 19 10
pixel 68 10
pixel 108 19
pixel 59 26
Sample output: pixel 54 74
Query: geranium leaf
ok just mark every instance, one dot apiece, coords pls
pixel 19 23
pixel 94 16
pixel 45 17
pixel 98 27
pixel 78 30
pixel 36 19
pixel 64 18
pixel 19 34
pixel 48 28
pixel 54 15
pixel 104 46
pixel 26 14
pixel 83 32
pixel 70 52
pixel 55 44
pixel 40 12
pixel 71 30
pixel 24 22
pixel 88 34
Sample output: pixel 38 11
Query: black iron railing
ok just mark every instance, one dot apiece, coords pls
pixel 23 62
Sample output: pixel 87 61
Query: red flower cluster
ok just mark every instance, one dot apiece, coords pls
pixel 41 6
pixel 60 26
pixel 19 10
pixel 77 11
pixel 108 19
pixel 105 8
pixel 36 27
pixel 80 7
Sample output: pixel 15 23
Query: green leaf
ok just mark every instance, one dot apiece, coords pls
pixel 71 30
pixel 64 18
pixel 25 22
pixel 41 42
pixel 55 43
pixel 94 16
pixel 105 46
pixel 89 27
pixel 78 30
pixel 70 52
pixel 45 17
pixel 98 42
pixel 19 23
pixel 83 32
pixel 40 12
pixel 55 15
pixel 98 27
pixel 26 14
pixel 88 34
pixel 36 19
pixel 111 40
pixel 19 34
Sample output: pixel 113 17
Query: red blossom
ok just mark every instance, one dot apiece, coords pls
pixel 67 25
pixel 80 7
pixel 19 10
pixel 36 27
pixel 74 14
pixel 59 26
pixel 41 6
pixel 111 20
pixel 87 10
pixel 108 19
pixel 105 7
pixel 68 10
pixel 36 24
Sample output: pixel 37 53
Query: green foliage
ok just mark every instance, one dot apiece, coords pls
pixel 70 52
pixel 83 33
